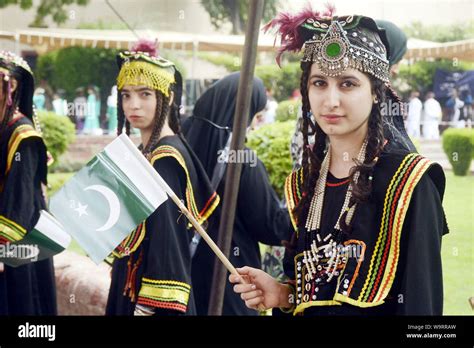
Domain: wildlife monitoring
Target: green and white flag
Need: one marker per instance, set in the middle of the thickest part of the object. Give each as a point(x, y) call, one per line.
point(103, 202)
point(47, 239)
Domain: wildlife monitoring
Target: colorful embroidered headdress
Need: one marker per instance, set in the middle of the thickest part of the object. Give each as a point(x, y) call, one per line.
point(143, 67)
point(335, 43)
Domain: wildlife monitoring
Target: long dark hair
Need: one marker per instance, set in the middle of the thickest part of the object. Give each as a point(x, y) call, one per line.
point(7, 111)
point(163, 109)
point(313, 157)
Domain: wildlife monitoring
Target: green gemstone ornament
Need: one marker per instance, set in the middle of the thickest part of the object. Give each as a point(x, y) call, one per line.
point(333, 49)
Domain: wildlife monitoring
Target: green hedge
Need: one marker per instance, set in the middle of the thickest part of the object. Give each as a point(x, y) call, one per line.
point(58, 133)
point(458, 144)
point(283, 81)
point(287, 110)
point(272, 145)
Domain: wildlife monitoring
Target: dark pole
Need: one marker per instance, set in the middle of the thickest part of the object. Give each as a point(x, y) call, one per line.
point(232, 180)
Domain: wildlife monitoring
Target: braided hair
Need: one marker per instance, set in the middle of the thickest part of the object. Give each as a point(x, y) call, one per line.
point(163, 110)
point(314, 155)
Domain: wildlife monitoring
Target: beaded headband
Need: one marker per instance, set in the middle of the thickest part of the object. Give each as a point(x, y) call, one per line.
point(11, 61)
point(335, 43)
point(143, 69)
point(11, 58)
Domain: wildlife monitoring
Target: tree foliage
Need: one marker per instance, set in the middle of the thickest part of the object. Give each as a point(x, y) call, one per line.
point(235, 12)
point(57, 9)
point(440, 33)
point(73, 67)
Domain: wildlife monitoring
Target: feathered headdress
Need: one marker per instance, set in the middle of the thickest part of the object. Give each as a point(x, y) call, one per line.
point(289, 28)
point(335, 43)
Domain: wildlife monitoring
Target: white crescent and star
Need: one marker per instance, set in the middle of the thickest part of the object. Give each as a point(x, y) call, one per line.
point(114, 206)
point(81, 209)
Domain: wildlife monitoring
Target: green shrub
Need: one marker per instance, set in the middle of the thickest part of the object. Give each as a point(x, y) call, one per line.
point(458, 146)
point(58, 133)
point(471, 131)
point(283, 81)
point(287, 110)
point(290, 80)
point(272, 145)
point(270, 75)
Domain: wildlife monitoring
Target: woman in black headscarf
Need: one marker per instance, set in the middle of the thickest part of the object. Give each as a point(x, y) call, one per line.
point(259, 216)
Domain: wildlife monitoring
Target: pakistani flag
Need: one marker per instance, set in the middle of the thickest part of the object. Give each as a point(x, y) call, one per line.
point(45, 240)
point(116, 191)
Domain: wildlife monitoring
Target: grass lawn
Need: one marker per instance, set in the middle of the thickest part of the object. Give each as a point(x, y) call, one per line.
point(458, 245)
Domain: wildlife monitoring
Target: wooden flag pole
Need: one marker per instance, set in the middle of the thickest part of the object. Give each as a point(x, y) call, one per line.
point(234, 168)
point(203, 233)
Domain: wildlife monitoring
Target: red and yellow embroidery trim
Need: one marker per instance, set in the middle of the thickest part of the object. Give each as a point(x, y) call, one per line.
point(20, 133)
point(293, 194)
point(10, 231)
point(132, 242)
point(213, 201)
point(167, 294)
point(384, 259)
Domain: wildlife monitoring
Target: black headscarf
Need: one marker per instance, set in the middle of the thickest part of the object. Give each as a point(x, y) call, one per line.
point(217, 105)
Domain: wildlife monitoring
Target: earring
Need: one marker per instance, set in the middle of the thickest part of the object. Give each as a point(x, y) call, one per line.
point(376, 100)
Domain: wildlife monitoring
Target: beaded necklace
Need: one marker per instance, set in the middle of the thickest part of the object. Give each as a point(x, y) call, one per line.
point(330, 247)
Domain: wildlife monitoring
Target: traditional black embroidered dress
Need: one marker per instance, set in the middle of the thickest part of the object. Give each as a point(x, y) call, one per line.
point(157, 271)
point(392, 263)
point(28, 289)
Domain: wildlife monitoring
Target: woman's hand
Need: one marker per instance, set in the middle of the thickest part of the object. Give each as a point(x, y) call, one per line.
point(261, 289)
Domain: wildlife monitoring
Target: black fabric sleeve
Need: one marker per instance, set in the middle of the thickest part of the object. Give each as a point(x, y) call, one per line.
point(166, 280)
point(22, 199)
point(420, 290)
point(267, 220)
